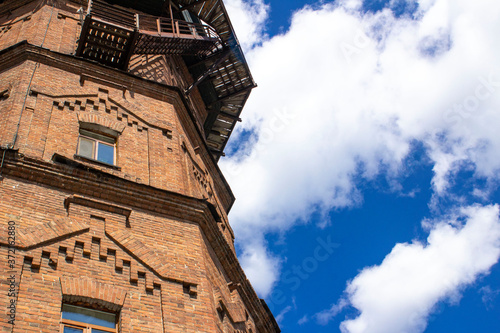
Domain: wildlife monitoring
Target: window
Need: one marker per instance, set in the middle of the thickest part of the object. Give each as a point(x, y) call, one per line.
point(77, 319)
point(97, 147)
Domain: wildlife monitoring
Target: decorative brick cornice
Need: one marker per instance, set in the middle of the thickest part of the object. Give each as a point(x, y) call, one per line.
point(234, 310)
point(152, 259)
point(45, 232)
point(75, 177)
point(23, 51)
point(80, 200)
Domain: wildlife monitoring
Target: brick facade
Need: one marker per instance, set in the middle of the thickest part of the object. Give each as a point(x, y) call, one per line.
point(148, 237)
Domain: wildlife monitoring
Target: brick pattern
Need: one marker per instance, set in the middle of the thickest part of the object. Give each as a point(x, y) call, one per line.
point(87, 117)
point(92, 292)
point(149, 237)
point(136, 288)
point(227, 300)
point(152, 257)
point(38, 232)
point(51, 27)
point(95, 253)
point(39, 303)
point(169, 70)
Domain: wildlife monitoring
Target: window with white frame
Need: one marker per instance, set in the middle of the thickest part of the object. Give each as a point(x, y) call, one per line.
point(97, 147)
point(77, 319)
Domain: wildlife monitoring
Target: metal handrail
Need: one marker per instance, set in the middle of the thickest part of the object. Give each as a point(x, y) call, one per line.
point(174, 27)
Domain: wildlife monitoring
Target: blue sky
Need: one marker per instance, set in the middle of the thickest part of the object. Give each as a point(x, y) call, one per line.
point(366, 168)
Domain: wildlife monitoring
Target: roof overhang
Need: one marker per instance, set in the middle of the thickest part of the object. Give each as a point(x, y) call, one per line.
point(224, 85)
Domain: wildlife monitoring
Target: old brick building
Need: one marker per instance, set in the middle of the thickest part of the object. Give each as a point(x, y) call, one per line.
point(113, 211)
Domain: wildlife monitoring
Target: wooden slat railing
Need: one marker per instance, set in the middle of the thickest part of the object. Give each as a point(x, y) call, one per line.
point(175, 28)
point(112, 14)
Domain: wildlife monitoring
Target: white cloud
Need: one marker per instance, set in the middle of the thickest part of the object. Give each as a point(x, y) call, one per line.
point(248, 19)
point(343, 94)
point(399, 294)
point(303, 320)
point(281, 315)
point(488, 296)
point(261, 267)
point(325, 316)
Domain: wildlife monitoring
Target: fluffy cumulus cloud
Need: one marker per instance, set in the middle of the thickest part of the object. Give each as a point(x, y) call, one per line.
point(398, 295)
point(343, 94)
point(248, 19)
point(259, 265)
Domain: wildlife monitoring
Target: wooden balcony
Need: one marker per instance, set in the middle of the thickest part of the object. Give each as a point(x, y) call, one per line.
point(110, 35)
point(113, 30)
point(159, 35)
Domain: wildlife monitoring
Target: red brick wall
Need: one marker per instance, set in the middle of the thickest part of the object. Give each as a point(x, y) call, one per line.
point(149, 150)
point(149, 236)
point(156, 258)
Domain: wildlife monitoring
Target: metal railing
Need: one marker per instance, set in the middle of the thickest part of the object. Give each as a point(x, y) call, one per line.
point(174, 28)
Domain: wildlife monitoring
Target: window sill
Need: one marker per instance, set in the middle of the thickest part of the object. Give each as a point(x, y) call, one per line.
point(90, 160)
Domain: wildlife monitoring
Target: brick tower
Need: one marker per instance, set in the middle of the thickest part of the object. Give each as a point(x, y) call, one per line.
point(113, 211)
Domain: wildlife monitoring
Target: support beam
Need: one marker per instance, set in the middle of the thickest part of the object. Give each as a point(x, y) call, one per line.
point(89, 7)
point(232, 94)
point(175, 5)
point(223, 57)
point(217, 152)
point(211, 58)
point(191, 5)
point(130, 50)
point(83, 36)
point(233, 117)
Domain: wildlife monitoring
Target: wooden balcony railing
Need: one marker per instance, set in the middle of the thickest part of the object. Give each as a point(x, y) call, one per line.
point(111, 34)
point(166, 27)
point(111, 14)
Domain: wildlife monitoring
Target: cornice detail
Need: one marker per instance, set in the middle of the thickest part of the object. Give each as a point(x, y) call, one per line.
point(76, 177)
point(89, 71)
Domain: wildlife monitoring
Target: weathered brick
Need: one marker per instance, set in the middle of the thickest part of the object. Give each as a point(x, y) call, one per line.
point(148, 237)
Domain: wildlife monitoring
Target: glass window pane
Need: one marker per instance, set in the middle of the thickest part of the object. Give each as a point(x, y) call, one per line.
point(95, 330)
point(68, 329)
point(97, 136)
point(86, 147)
point(89, 316)
point(106, 153)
